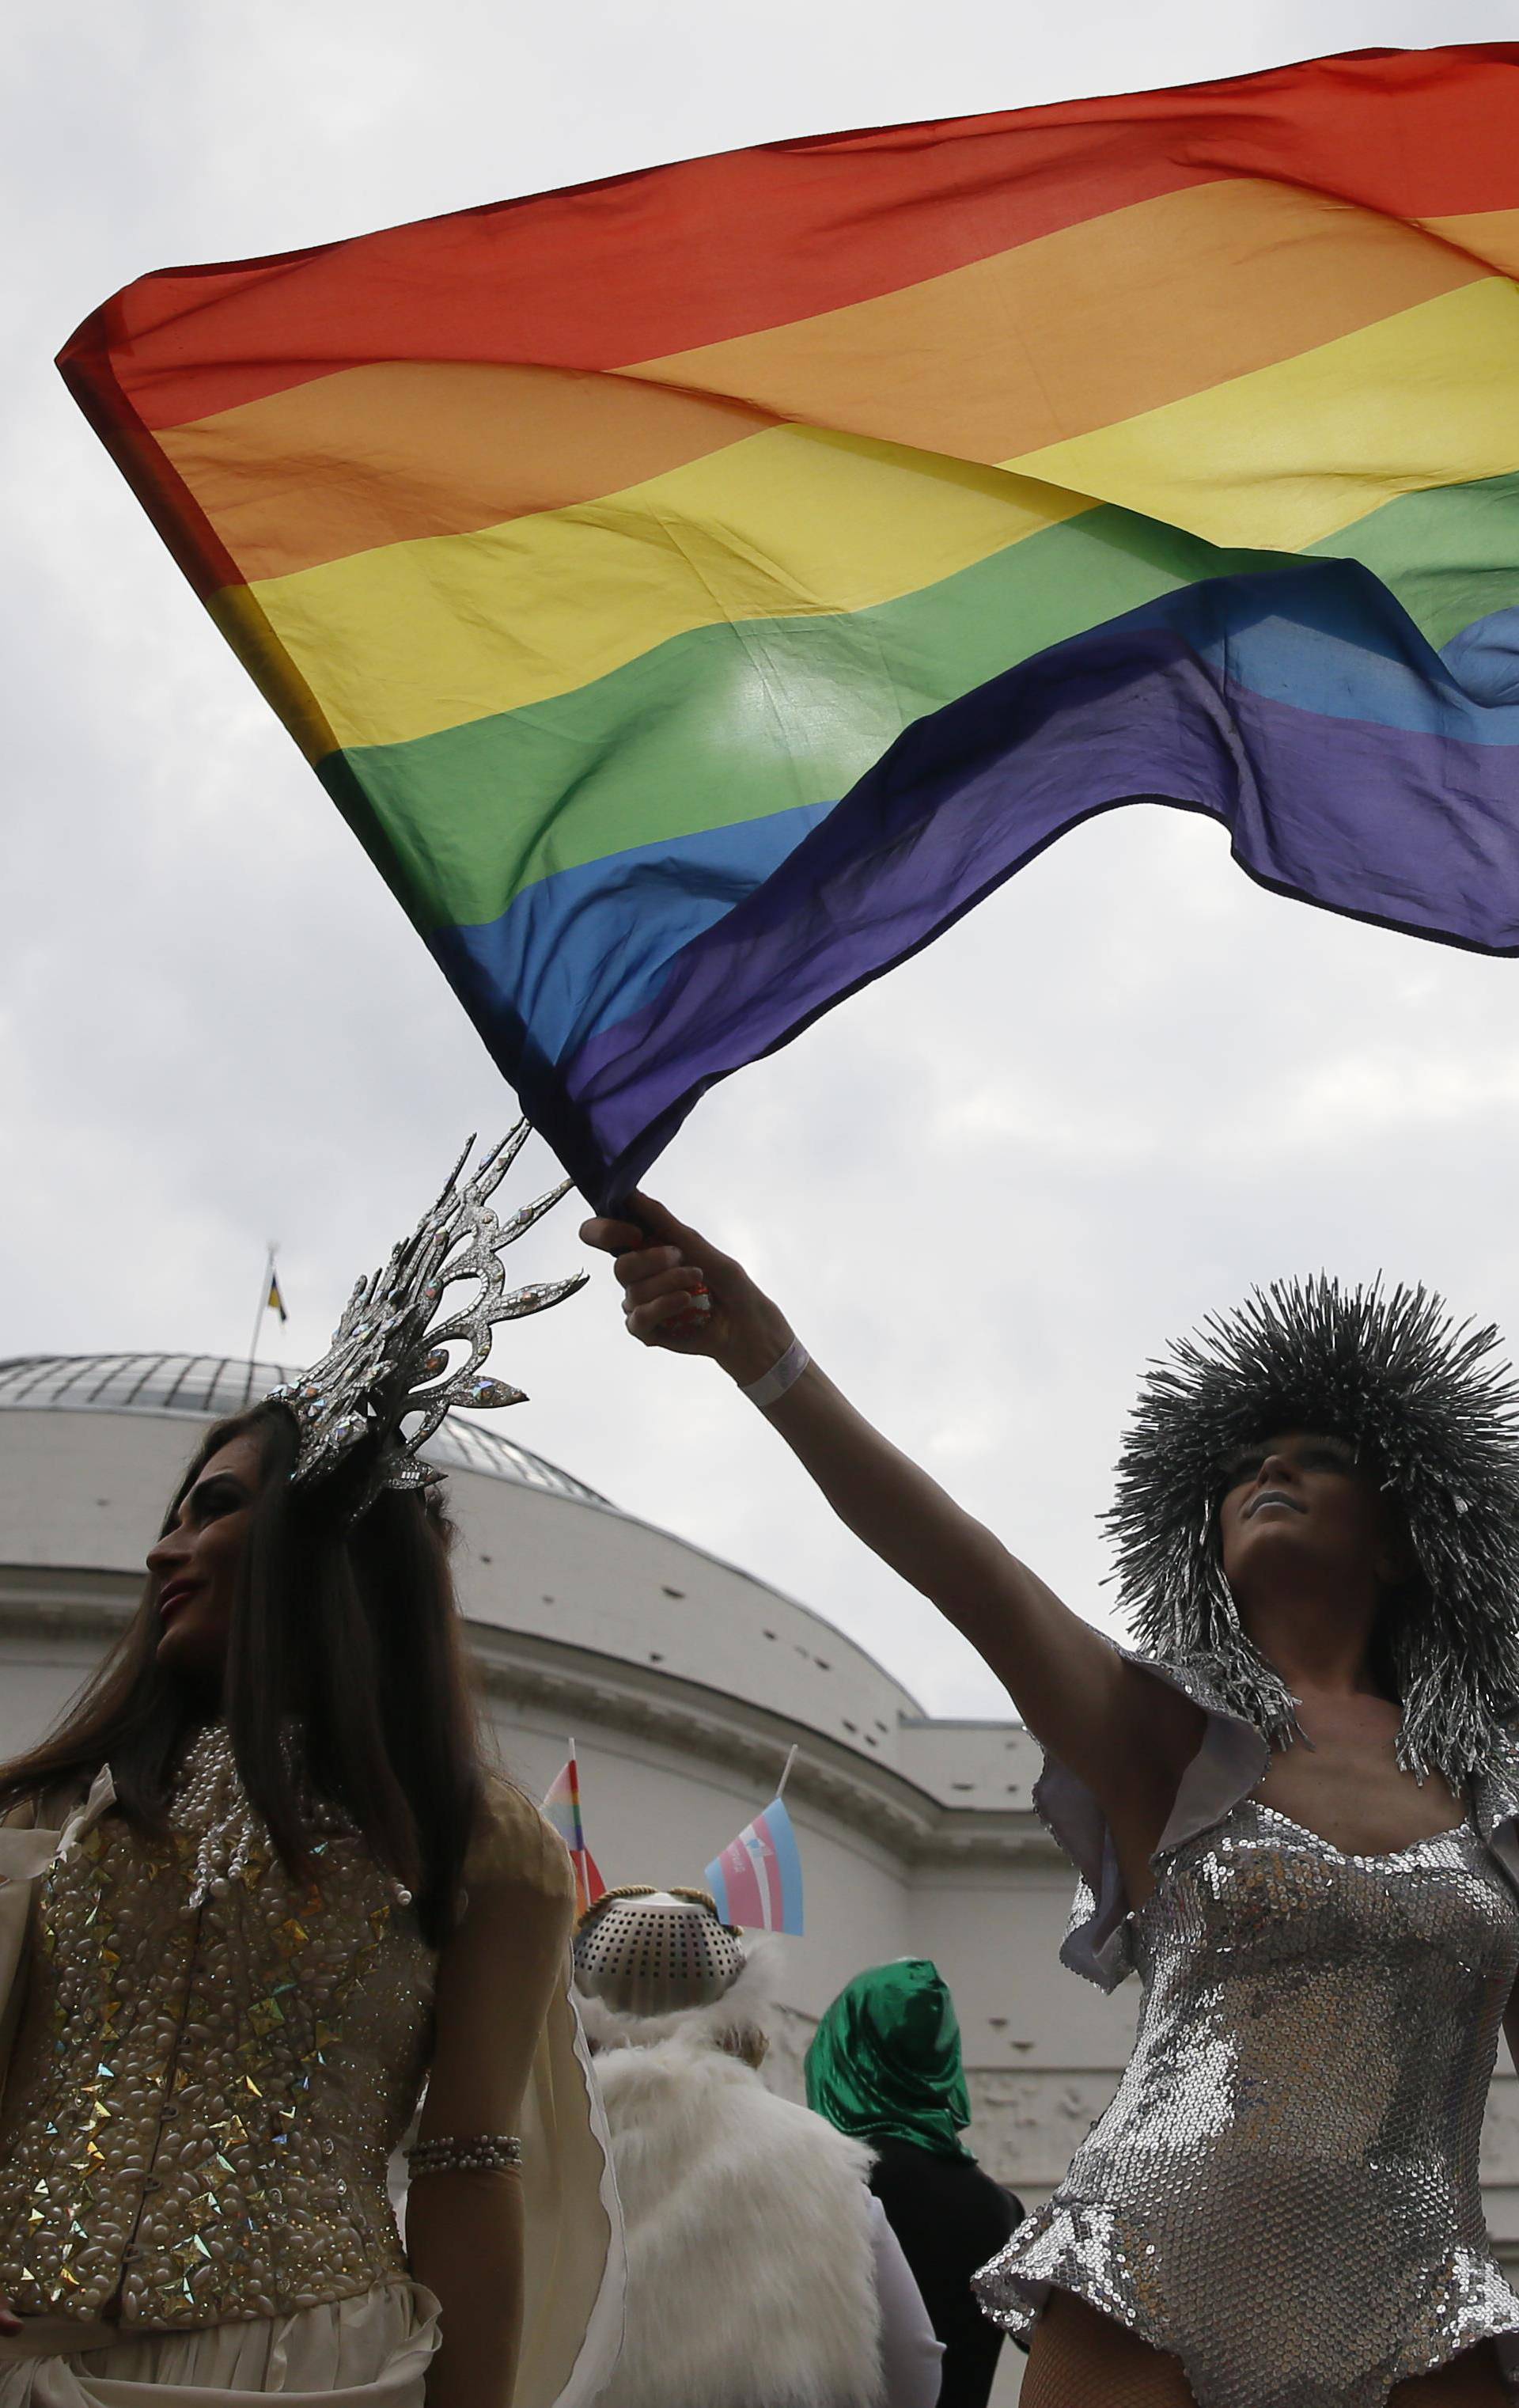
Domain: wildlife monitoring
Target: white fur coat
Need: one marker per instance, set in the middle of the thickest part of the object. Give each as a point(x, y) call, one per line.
point(749, 2274)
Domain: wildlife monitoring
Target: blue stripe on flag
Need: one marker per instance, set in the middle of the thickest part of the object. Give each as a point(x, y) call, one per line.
point(584, 948)
point(717, 1883)
point(783, 1840)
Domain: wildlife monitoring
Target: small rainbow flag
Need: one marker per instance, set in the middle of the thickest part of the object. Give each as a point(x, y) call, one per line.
point(561, 1808)
point(698, 589)
point(757, 1881)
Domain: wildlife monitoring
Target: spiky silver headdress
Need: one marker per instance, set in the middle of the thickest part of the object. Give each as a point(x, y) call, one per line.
point(1437, 1420)
point(389, 1360)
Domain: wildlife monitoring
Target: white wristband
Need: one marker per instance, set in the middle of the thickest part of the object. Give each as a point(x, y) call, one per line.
point(779, 1377)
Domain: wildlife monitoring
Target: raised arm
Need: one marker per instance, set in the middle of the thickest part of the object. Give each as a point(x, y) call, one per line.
point(1123, 1733)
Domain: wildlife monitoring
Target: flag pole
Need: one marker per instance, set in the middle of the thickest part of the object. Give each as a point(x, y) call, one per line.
point(579, 1850)
point(263, 1307)
point(786, 1774)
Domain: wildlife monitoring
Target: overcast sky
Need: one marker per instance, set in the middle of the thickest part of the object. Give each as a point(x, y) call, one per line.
point(986, 1190)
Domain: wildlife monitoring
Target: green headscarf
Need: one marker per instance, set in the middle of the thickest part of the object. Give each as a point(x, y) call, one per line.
point(884, 2063)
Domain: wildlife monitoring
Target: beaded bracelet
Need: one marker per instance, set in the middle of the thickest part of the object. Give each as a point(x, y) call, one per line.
point(484, 2153)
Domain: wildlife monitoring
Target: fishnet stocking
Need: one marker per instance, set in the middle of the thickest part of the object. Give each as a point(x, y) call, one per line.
point(1081, 2360)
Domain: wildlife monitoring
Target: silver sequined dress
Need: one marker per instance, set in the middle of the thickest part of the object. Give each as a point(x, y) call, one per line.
point(1283, 2191)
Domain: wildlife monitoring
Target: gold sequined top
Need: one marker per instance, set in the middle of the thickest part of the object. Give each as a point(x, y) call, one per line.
point(213, 2064)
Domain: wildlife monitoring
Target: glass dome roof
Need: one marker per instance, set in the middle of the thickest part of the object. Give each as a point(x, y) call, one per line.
point(203, 1387)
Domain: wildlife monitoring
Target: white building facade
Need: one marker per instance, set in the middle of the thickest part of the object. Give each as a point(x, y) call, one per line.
point(685, 1681)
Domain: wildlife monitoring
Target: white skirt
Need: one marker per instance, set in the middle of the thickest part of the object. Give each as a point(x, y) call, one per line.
point(371, 2351)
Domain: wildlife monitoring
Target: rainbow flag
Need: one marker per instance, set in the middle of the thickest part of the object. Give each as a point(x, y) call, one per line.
point(698, 588)
point(561, 1808)
point(757, 1881)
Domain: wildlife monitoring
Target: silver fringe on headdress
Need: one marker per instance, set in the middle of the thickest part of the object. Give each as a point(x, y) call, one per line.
point(1418, 1396)
point(390, 1361)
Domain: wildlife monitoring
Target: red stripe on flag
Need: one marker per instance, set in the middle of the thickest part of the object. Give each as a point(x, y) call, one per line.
point(634, 267)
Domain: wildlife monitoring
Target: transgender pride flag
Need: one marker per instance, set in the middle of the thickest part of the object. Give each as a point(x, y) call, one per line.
point(758, 1880)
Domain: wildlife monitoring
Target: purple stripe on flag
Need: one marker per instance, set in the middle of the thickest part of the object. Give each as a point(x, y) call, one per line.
point(1416, 831)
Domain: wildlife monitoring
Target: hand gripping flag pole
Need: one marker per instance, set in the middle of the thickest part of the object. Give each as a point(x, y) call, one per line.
point(756, 1882)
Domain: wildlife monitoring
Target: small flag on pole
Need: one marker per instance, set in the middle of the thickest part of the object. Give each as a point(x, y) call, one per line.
point(270, 1301)
point(757, 1881)
point(561, 1808)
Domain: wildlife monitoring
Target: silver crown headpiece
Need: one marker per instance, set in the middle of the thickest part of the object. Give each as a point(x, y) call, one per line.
point(389, 1360)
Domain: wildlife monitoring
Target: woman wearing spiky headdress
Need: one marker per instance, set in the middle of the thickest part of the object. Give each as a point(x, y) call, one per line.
point(261, 1887)
point(1295, 1814)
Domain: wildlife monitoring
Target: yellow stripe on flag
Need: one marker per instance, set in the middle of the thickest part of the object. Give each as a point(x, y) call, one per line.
point(417, 637)
point(1289, 455)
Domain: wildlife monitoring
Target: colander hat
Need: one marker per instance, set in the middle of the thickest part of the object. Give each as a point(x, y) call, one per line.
point(656, 1952)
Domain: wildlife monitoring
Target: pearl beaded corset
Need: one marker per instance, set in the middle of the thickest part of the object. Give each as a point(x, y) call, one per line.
point(213, 2065)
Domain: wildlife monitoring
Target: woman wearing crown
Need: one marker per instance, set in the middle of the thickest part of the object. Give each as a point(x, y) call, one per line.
point(1295, 1814)
point(260, 1891)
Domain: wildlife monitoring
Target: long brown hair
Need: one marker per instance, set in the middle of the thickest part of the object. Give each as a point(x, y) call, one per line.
point(347, 1678)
